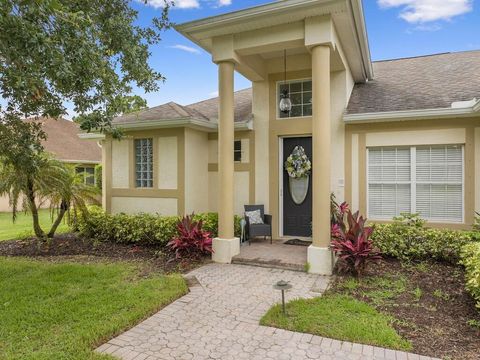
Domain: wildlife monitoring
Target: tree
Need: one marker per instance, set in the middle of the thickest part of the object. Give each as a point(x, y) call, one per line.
point(86, 52)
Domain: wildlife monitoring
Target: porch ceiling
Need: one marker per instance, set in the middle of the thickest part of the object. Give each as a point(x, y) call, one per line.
point(256, 35)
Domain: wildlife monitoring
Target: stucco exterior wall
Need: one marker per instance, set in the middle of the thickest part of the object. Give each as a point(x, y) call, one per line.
point(4, 204)
point(120, 163)
point(410, 133)
point(167, 162)
point(196, 171)
point(135, 205)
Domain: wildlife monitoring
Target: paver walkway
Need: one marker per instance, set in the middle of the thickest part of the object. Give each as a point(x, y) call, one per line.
point(219, 319)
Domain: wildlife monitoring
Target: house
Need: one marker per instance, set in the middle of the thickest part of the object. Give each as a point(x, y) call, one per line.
point(63, 142)
point(388, 137)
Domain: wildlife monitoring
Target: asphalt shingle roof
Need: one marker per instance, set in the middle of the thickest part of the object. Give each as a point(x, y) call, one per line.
point(426, 82)
point(63, 141)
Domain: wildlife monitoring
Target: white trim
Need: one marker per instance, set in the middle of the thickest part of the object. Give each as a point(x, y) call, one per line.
point(86, 162)
point(195, 123)
point(413, 179)
point(405, 115)
point(91, 136)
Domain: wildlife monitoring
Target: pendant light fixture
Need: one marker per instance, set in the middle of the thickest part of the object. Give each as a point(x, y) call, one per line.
point(285, 104)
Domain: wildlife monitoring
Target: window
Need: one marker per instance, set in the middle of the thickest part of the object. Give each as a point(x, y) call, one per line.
point(301, 97)
point(237, 151)
point(423, 179)
point(144, 163)
point(88, 174)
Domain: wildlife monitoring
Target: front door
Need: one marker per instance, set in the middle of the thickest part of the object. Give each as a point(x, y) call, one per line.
point(297, 216)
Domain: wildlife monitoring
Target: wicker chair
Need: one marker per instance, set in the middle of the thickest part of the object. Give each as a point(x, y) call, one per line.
point(254, 230)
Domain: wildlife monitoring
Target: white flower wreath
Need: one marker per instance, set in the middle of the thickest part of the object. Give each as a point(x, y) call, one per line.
point(298, 165)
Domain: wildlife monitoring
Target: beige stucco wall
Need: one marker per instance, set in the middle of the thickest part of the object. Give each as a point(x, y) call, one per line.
point(410, 133)
point(261, 115)
point(134, 205)
point(196, 171)
point(241, 193)
point(120, 163)
point(167, 162)
point(4, 204)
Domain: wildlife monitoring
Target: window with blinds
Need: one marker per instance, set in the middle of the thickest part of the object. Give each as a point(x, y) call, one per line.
point(423, 179)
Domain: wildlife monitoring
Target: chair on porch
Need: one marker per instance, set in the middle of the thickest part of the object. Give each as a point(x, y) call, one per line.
point(258, 229)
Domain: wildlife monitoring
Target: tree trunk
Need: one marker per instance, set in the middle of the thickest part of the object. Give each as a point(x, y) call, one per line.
point(34, 210)
point(63, 209)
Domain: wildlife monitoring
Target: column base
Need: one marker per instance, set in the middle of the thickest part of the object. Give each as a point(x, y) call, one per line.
point(225, 250)
point(320, 260)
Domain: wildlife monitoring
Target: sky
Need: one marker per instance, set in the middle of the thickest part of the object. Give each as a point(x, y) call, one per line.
point(396, 29)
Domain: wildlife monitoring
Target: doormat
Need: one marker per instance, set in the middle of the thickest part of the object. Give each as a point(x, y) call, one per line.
point(298, 242)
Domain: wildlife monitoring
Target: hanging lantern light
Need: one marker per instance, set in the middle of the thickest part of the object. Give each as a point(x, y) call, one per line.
point(285, 104)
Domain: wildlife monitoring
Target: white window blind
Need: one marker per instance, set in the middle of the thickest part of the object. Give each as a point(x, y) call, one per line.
point(423, 179)
point(389, 182)
point(440, 182)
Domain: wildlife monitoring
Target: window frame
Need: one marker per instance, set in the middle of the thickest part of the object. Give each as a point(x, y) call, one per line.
point(413, 182)
point(135, 172)
point(235, 151)
point(85, 174)
point(277, 98)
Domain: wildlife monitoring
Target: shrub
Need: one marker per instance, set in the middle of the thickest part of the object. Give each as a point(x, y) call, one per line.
point(146, 229)
point(408, 239)
point(470, 258)
point(476, 224)
point(351, 242)
point(98, 176)
point(191, 240)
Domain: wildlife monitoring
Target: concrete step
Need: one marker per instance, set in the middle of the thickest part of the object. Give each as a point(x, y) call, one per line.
point(274, 264)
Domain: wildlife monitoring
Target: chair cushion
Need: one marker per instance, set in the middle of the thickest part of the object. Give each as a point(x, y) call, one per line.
point(254, 217)
point(260, 230)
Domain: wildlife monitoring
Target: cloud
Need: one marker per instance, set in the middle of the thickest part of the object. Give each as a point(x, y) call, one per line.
point(181, 4)
point(224, 2)
point(213, 94)
point(186, 48)
point(422, 11)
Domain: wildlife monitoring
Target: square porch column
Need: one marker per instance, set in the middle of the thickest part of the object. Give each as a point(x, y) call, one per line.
point(225, 246)
point(319, 253)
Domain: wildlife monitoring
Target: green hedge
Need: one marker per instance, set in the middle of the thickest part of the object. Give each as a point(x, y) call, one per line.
point(471, 260)
point(142, 228)
point(407, 239)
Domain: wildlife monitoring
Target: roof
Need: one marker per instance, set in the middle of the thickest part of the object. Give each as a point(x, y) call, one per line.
point(417, 83)
point(206, 110)
point(64, 143)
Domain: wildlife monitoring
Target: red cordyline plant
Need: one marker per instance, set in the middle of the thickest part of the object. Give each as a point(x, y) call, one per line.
point(191, 241)
point(351, 242)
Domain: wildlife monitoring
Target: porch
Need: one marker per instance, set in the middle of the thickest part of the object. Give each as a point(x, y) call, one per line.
point(278, 255)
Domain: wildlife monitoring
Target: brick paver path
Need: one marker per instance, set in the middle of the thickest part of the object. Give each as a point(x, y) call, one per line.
point(219, 319)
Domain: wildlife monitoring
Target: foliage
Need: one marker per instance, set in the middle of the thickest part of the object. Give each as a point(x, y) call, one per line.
point(407, 239)
point(351, 242)
point(146, 229)
point(339, 317)
point(476, 224)
point(470, 258)
point(297, 164)
point(98, 177)
point(191, 241)
point(50, 181)
point(90, 53)
point(57, 310)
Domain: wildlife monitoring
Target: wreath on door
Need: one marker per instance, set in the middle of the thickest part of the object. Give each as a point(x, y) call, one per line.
point(298, 167)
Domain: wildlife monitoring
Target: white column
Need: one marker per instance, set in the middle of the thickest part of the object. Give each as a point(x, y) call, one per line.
point(319, 253)
point(226, 245)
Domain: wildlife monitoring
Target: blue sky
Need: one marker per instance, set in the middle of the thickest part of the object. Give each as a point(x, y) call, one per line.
point(396, 28)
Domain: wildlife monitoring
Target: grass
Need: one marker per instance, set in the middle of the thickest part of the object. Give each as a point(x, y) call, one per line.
point(64, 310)
point(22, 228)
point(339, 317)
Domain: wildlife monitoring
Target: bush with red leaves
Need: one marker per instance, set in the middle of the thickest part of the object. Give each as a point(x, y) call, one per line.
point(351, 242)
point(191, 242)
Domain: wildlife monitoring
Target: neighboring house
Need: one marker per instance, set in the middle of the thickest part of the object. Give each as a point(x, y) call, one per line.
point(65, 145)
point(388, 137)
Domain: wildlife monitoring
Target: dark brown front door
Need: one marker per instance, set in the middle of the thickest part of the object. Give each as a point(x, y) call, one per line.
point(297, 218)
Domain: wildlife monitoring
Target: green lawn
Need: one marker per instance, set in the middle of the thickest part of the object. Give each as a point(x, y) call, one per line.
point(338, 317)
point(64, 310)
point(22, 227)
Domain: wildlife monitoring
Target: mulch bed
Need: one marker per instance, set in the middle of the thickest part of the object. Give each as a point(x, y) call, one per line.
point(72, 247)
point(433, 318)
